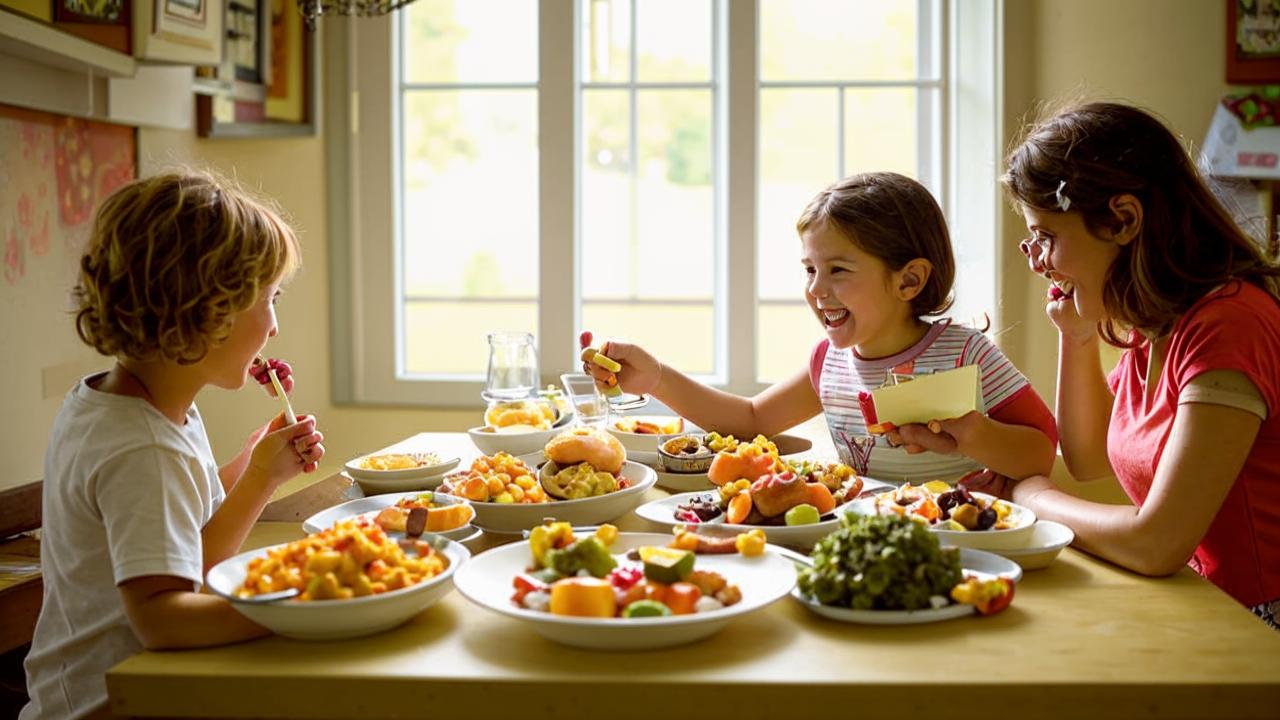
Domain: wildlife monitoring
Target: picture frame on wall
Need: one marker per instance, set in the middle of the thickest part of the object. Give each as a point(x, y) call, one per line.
point(105, 22)
point(179, 31)
point(266, 84)
point(1253, 42)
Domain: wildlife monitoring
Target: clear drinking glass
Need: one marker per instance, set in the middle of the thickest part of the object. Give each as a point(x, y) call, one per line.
point(513, 367)
point(588, 402)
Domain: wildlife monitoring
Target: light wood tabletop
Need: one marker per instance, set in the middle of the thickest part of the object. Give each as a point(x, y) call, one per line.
point(1082, 638)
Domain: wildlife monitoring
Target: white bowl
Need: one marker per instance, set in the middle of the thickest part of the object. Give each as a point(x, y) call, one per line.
point(1022, 518)
point(373, 504)
point(1041, 546)
point(336, 619)
point(973, 562)
point(643, 447)
point(516, 443)
point(486, 581)
point(360, 473)
point(683, 482)
point(801, 537)
point(514, 517)
point(372, 487)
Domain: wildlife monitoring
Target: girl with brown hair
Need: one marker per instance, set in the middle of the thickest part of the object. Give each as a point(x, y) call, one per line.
point(1143, 256)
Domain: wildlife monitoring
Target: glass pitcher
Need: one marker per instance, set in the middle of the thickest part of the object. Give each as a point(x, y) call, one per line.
point(513, 367)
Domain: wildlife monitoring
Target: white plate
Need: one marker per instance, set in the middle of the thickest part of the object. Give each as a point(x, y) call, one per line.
point(683, 482)
point(972, 562)
point(643, 447)
point(1015, 536)
point(373, 504)
point(378, 487)
point(425, 471)
point(522, 443)
point(486, 581)
point(802, 537)
point(336, 619)
point(514, 517)
point(1046, 540)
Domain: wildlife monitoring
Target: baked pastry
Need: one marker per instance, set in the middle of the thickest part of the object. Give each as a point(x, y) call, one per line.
point(587, 445)
point(776, 493)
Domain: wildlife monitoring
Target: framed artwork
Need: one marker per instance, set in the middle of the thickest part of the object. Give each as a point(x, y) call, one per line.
point(105, 22)
point(1253, 42)
point(266, 83)
point(178, 31)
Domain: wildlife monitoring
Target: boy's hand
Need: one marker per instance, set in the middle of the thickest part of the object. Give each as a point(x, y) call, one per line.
point(285, 450)
point(284, 373)
point(640, 371)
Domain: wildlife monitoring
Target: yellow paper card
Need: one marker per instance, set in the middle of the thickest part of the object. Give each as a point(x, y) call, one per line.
point(940, 396)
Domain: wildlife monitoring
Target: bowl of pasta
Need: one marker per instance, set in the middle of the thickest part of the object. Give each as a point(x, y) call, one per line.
point(346, 581)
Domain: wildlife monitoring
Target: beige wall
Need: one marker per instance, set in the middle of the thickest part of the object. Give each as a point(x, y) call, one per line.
point(1163, 54)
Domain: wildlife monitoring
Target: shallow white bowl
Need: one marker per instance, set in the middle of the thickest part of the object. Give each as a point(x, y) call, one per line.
point(973, 562)
point(492, 443)
point(801, 537)
point(486, 581)
point(336, 619)
point(396, 485)
point(359, 473)
point(373, 504)
point(514, 517)
point(683, 482)
point(1015, 536)
point(643, 447)
point(1046, 539)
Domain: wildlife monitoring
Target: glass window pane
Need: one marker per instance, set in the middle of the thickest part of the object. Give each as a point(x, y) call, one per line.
point(673, 40)
point(607, 200)
point(798, 157)
point(880, 131)
point(673, 332)
point(460, 237)
point(471, 41)
point(450, 337)
point(787, 332)
point(606, 44)
point(820, 40)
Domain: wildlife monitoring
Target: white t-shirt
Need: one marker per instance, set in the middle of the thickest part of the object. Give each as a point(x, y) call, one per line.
point(842, 374)
point(126, 493)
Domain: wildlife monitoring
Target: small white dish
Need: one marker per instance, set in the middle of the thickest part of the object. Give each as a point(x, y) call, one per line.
point(683, 482)
point(372, 487)
point(355, 470)
point(491, 442)
point(1022, 518)
point(985, 565)
point(801, 537)
point(375, 503)
point(643, 447)
point(515, 517)
point(336, 619)
point(763, 579)
point(1046, 539)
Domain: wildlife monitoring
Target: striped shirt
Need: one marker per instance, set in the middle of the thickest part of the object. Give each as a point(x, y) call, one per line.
point(839, 375)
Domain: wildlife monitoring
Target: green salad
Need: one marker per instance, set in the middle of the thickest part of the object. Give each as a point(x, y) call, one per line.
point(880, 562)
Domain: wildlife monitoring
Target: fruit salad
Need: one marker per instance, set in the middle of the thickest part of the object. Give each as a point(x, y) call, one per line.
point(578, 576)
point(944, 507)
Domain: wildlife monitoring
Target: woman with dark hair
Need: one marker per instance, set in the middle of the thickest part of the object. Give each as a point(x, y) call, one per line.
point(1142, 256)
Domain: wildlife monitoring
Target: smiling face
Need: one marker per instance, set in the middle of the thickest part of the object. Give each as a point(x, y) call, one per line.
point(851, 292)
point(228, 363)
point(1073, 257)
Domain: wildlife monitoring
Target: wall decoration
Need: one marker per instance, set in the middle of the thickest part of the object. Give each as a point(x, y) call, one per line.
point(54, 171)
point(182, 31)
point(94, 11)
point(1253, 42)
point(282, 102)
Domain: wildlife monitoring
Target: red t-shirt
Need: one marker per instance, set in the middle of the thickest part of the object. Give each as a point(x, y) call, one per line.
point(1234, 328)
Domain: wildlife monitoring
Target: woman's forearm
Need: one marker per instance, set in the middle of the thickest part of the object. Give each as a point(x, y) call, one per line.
point(1083, 408)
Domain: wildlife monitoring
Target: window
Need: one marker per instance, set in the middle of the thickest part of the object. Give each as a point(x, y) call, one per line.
point(630, 166)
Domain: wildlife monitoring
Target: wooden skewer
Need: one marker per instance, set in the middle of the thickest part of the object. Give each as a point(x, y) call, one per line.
point(284, 399)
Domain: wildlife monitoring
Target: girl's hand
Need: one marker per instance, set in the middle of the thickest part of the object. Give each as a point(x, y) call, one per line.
point(286, 450)
point(284, 373)
point(640, 371)
point(945, 437)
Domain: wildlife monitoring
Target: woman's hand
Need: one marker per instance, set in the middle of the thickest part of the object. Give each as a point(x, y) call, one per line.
point(286, 450)
point(640, 371)
point(1060, 307)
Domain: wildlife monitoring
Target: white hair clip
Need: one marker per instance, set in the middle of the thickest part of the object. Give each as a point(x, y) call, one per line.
point(1064, 202)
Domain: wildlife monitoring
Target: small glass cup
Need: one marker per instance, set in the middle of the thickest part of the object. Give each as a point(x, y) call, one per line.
point(513, 367)
point(589, 404)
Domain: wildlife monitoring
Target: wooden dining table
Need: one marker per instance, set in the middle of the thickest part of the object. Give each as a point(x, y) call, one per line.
point(1082, 638)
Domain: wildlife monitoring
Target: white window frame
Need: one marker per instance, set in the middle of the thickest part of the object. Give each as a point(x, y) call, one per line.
point(363, 213)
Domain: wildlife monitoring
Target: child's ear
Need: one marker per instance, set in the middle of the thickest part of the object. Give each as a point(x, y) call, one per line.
point(1127, 215)
point(912, 278)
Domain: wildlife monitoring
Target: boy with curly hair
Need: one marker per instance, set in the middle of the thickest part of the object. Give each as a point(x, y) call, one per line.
point(178, 283)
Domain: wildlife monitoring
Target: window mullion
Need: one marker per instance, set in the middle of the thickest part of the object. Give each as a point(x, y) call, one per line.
point(558, 257)
point(741, 177)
